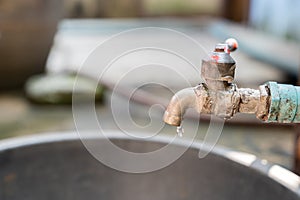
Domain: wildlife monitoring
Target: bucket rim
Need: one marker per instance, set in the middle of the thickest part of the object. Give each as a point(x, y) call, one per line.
point(275, 172)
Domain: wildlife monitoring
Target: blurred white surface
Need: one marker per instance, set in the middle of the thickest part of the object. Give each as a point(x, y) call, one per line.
point(76, 39)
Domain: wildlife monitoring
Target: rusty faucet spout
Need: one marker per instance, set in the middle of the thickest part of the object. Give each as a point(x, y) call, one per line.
point(179, 103)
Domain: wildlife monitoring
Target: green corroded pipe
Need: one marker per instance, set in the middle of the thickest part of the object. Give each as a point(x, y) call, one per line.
point(284, 103)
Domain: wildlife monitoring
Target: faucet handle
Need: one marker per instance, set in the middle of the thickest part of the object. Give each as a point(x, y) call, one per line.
point(232, 44)
point(219, 70)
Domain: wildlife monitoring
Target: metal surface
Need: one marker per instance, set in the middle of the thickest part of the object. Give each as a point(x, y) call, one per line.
point(218, 95)
point(284, 103)
point(57, 166)
point(219, 70)
point(180, 102)
point(271, 103)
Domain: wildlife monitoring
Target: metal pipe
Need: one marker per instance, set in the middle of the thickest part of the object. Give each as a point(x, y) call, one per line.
point(284, 104)
point(272, 102)
point(223, 103)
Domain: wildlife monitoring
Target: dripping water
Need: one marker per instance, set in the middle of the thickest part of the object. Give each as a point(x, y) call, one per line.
point(180, 131)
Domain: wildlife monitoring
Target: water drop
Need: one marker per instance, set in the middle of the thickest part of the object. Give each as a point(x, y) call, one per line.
point(180, 131)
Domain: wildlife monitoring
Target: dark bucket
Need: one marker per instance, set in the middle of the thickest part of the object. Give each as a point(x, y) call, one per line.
point(57, 166)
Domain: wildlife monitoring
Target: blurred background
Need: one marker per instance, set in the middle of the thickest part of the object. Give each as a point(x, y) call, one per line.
point(43, 42)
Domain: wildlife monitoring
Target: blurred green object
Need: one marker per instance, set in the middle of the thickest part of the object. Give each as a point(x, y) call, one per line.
point(58, 88)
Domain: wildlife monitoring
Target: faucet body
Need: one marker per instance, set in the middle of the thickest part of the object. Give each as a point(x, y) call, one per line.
point(271, 102)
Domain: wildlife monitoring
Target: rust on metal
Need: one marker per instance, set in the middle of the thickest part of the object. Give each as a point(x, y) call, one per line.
point(272, 102)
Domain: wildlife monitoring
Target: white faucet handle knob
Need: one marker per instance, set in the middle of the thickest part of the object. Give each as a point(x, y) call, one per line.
point(232, 44)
